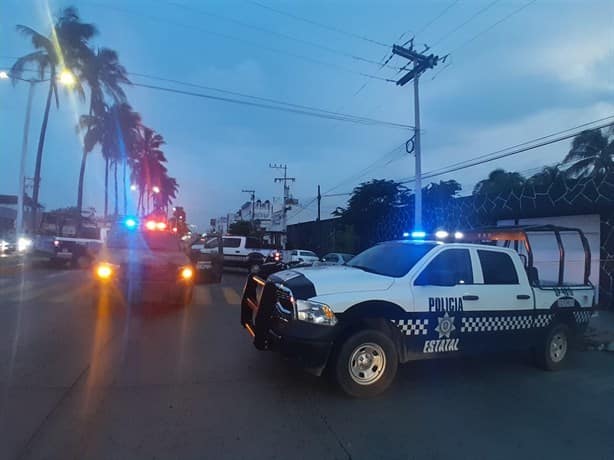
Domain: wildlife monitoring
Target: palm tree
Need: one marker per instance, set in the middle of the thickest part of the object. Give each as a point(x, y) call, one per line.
point(590, 155)
point(168, 192)
point(104, 75)
point(499, 181)
point(147, 165)
point(547, 176)
point(63, 49)
point(116, 130)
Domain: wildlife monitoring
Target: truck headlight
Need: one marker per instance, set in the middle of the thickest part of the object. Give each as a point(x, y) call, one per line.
point(315, 312)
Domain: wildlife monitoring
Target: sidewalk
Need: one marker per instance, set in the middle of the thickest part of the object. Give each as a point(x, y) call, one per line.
point(600, 332)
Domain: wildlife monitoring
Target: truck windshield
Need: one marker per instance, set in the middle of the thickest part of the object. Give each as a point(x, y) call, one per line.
point(391, 259)
point(154, 241)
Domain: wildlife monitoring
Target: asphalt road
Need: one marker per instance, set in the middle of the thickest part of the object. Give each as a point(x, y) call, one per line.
point(85, 379)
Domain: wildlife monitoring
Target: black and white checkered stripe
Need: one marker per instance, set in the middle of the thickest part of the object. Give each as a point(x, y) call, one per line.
point(495, 323)
point(543, 320)
point(412, 326)
point(582, 316)
point(503, 323)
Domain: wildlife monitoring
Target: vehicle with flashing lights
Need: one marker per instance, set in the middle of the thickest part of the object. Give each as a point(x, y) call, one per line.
point(434, 296)
point(142, 262)
point(63, 240)
point(239, 251)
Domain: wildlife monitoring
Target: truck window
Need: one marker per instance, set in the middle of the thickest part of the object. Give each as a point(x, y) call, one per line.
point(232, 242)
point(497, 268)
point(451, 265)
point(308, 254)
point(294, 253)
point(252, 243)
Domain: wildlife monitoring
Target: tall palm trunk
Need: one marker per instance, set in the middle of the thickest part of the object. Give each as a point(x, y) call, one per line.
point(39, 152)
point(106, 187)
point(82, 175)
point(124, 186)
point(116, 192)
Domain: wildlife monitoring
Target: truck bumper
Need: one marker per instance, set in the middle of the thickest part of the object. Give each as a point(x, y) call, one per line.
point(305, 344)
point(145, 292)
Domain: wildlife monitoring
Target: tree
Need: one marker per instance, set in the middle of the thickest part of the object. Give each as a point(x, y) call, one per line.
point(370, 203)
point(168, 192)
point(436, 194)
point(104, 75)
point(590, 155)
point(147, 165)
point(240, 228)
point(116, 130)
point(547, 176)
point(499, 181)
point(69, 35)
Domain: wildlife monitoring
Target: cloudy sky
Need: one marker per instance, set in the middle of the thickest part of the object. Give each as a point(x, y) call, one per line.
point(546, 68)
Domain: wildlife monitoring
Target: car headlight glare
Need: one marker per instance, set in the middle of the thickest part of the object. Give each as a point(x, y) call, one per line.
point(315, 312)
point(104, 271)
point(187, 273)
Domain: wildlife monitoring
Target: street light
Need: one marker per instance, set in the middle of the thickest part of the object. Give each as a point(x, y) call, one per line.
point(67, 78)
point(4, 75)
point(155, 189)
point(133, 187)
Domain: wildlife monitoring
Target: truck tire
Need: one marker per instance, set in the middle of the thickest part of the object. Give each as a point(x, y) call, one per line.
point(553, 351)
point(365, 364)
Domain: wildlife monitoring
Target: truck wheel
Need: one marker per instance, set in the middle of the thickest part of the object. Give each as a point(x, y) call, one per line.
point(254, 267)
point(552, 353)
point(365, 364)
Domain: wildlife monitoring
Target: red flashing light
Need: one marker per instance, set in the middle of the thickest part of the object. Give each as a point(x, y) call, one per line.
point(161, 226)
point(150, 225)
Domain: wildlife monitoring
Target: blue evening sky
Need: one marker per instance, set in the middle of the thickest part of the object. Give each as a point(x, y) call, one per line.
point(548, 68)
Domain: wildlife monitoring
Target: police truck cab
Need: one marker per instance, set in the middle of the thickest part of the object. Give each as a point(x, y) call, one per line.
point(407, 300)
point(143, 261)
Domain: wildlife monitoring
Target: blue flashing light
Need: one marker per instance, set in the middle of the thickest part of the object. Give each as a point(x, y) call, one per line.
point(418, 234)
point(130, 222)
point(405, 234)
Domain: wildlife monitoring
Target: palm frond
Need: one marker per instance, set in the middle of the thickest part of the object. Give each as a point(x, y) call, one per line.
point(39, 41)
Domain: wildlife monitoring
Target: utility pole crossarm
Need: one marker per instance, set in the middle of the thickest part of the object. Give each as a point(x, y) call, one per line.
point(421, 62)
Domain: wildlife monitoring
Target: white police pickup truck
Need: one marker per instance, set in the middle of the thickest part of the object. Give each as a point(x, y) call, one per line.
point(407, 300)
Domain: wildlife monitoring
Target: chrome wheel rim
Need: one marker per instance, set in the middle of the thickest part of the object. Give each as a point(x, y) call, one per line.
point(558, 347)
point(367, 363)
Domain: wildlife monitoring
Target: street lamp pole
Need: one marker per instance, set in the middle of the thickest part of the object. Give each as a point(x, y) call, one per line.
point(22, 164)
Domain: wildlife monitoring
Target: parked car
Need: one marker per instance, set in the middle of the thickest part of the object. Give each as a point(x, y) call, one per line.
point(301, 255)
point(336, 258)
point(209, 264)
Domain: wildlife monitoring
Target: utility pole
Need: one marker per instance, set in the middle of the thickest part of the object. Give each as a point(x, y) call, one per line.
point(285, 181)
point(253, 193)
point(319, 202)
point(421, 62)
point(22, 163)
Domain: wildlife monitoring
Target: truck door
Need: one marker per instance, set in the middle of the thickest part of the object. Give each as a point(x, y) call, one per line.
point(440, 291)
point(501, 314)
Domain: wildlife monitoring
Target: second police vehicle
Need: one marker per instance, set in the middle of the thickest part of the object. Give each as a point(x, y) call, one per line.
point(143, 261)
point(407, 300)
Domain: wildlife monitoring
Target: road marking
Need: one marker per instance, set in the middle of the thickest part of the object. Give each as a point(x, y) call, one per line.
point(202, 295)
point(231, 296)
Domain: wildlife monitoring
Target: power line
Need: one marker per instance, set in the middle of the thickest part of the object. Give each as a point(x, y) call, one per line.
point(489, 28)
point(482, 32)
point(477, 161)
point(467, 21)
point(282, 104)
point(330, 116)
point(318, 24)
point(257, 98)
point(167, 21)
point(386, 156)
point(437, 17)
point(278, 34)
